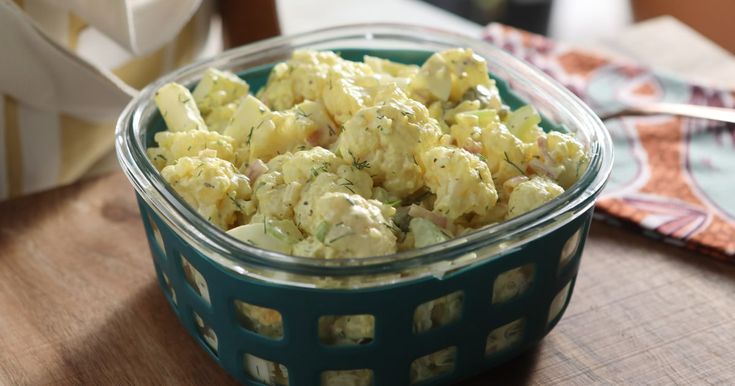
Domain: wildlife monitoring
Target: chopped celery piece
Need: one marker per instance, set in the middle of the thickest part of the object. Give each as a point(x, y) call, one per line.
point(523, 123)
point(321, 230)
point(484, 117)
point(260, 236)
point(426, 232)
point(284, 230)
point(218, 88)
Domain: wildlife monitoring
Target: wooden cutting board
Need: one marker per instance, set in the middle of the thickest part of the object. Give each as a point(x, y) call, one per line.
point(79, 304)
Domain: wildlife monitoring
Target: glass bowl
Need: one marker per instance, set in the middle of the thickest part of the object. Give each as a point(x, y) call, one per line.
point(271, 319)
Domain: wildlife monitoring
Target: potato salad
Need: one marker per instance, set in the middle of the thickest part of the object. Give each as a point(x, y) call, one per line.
point(340, 159)
point(337, 159)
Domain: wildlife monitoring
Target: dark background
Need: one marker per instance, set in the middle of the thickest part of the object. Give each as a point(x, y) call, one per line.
point(530, 15)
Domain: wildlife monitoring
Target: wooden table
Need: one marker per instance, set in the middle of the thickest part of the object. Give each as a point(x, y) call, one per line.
point(79, 305)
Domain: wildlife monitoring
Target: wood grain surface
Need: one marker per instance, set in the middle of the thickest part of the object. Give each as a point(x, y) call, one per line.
point(79, 304)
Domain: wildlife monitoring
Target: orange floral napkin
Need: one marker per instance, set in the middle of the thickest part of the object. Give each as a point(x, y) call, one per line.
point(673, 178)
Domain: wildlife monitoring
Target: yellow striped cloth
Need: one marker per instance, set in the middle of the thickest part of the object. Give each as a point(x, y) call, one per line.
point(42, 147)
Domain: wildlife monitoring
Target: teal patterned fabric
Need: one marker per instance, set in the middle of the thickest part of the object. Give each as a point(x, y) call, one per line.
point(673, 178)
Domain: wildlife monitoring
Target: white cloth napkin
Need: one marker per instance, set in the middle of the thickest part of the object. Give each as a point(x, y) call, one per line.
point(55, 86)
point(42, 73)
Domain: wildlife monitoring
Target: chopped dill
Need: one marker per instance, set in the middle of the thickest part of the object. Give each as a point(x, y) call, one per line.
point(394, 203)
point(347, 184)
point(301, 113)
point(250, 135)
point(340, 237)
point(359, 165)
point(506, 159)
point(237, 204)
point(392, 226)
point(315, 171)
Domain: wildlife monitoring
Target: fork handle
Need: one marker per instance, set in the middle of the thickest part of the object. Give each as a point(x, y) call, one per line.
point(685, 110)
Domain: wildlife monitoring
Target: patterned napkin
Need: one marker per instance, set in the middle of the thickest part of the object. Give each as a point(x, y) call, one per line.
point(673, 178)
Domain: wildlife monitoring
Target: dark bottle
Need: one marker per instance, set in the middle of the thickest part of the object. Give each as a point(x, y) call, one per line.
point(530, 15)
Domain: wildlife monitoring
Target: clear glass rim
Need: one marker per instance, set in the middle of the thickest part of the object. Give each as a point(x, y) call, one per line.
point(186, 222)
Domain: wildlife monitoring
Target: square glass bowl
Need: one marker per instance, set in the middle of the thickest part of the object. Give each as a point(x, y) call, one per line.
point(273, 319)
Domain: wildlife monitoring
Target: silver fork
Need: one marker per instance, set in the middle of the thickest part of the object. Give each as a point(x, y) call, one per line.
point(684, 110)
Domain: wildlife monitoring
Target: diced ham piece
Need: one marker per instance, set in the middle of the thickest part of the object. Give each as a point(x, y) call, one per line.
point(544, 147)
point(256, 169)
point(323, 136)
point(514, 181)
point(315, 138)
point(542, 169)
point(473, 147)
